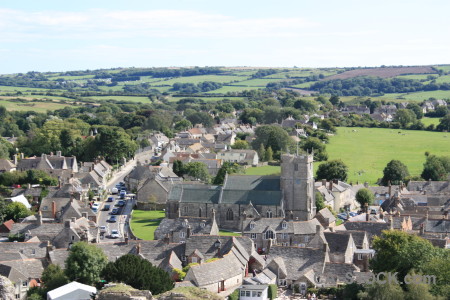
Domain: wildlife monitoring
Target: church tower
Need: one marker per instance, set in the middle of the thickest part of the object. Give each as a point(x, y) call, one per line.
point(297, 185)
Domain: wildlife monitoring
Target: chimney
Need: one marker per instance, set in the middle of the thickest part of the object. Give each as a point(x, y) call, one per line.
point(15, 159)
point(390, 188)
point(21, 156)
point(391, 223)
point(84, 214)
point(318, 228)
point(188, 231)
point(126, 238)
point(138, 248)
point(51, 153)
point(29, 186)
point(367, 217)
point(335, 181)
point(331, 185)
point(39, 218)
point(73, 219)
point(49, 248)
point(166, 239)
point(54, 209)
point(44, 156)
point(324, 182)
point(213, 214)
point(58, 153)
point(325, 247)
point(67, 224)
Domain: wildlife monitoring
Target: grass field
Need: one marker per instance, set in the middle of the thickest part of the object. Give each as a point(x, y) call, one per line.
point(232, 89)
point(208, 99)
point(259, 82)
point(418, 96)
point(34, 106)
point(5, 88)
point(443, 79)
point(415, 77)
point(201, 78)
point(120, 98)
point(368, 150)
point(144, 223)
point(429, 121)
point(266, 170)
point(71, 77)
point(446, 68)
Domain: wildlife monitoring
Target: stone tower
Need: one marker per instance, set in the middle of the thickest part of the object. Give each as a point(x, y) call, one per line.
point(297, 185)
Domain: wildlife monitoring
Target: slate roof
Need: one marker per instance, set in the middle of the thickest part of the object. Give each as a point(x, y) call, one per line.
point(432, 187)
point(438, 226)
point(31, 268)
point(261, 225)
point(337, 272)
point(139, 172)
point(11, 251)
point(45, 232)
point(372, 228)
point(337, 242)
point(6, 165)
point(306, 227)
point(249, 182)
point(326, 214)
point(256, 197)
point(12, 274)
point(205, 244)
point(358, 237)
point(199, 193)
point(34, 192)
point(168, 225)
point(300, 260)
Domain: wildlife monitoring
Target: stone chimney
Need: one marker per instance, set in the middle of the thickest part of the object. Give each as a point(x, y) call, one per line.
point(366, 185)
point(58, 153)
point(29, 186)
point(51, 153)
point(73, 219)
point(22, 156)
point(318, 229)
point(138, 248)
point(49, 248)
point(330, 187)
point(67, 224)
point(54, 209)
point(39, 218)
point(166, 239)
point(213, 214)
point(391, 222)
point(126, 238)
point(188, 231)
point(15, 159)
point(367, 217)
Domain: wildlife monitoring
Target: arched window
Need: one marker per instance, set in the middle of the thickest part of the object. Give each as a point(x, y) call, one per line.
point(269, 214)
point(200, 212)
point(229, 214)
point(269, 234)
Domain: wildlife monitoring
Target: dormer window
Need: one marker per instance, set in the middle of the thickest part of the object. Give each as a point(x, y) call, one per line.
point(284, 225)
point(217, 244)
point(202, 224)
point(252, 225)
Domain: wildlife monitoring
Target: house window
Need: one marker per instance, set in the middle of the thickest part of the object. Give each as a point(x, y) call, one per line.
point(253, 236)
point(229, 214)
point(254, 294)
point(252, 225)
point(247, 293)
point(359, 256)
point(284, 225)
point(182, 234)
point(194, 259)
point(285, 236)
point(200, 212)
point(33, 251)
point(306, 239)
point(269, 234)
point(24, 283)
point(269, 214)
point(185, 210)
point(183, 258)
point(282, 282)
point(301, 245)
point(242, 293)
point(73, 238)
point(202, 225)
point(45, 208)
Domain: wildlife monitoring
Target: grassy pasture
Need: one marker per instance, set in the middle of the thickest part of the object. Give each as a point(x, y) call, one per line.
point(201, 78)
point(370, 149)
point(415, 77)
point(228, 88)
point(4, 88)
point(34, 106)
point(429, 121)
point(71, 77)
point(443, 79)
point(208, 99)
point(445, 68)
point(417, 96)
point(259, 82)
point(120, 98)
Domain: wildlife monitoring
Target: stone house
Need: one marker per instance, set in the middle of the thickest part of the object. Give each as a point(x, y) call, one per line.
point(244, 157)
point(48, 163)
point(180, 229)
point(337, 194)
point(326, 218)
point(23, 273)
point(341, 245)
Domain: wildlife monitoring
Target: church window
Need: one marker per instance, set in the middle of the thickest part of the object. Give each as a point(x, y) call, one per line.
point(202, 224)
point(185, 210)
point(229, 214)
point(285, 236)
point(306, 239)
point(269, 214)
point(269, 234)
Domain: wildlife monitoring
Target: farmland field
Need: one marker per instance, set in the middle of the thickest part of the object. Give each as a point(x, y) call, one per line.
point(415, 77)
point(34, 106)
point(71, 77)
point(201, 78)
point(226, 89)
point(417, 96)
point(119, 98)
point(429, 121)
point(383, 72)
point(208, 99)
point(259, 82)
point(367, 155)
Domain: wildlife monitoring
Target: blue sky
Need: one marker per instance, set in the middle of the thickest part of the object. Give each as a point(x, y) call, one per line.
point(61, 35)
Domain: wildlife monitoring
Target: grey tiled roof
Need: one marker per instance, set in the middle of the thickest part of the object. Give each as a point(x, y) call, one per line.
point(372, 228)
point(31, 268)
point(338, 271)
point(306, 227)
point(200, 193)
point(58, 257)
point(11, 251)
point(429, 186)
point(261, 225)
point(326, 213)
point(337, 241)
point(205, 244)
point(441, 226)
point(168, 225)
point(35, 192)
point(358, 237)
point(256, 197)
point(6, 165)
point(45, 232)
point(11, 273)
point(249, 182)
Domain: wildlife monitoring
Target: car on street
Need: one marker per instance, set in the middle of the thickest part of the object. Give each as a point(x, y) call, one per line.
point(122, 194)
point(95, 206)
point(112, 219)
point(103, 229)
point(114, 234)
point(110, 199)
point(106, 207)
point(114, 190)
point(120, 203)
point(115, 211)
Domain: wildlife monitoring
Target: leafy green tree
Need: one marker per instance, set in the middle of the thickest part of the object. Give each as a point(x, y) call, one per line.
point(379, 291)
point(200, 117)
point(436, 168)
point(439, 266)
point(320, 202)
point(398, 251)
point(138, 273)
point(327, 125)
point(182, 125)
point(416, 109)
point(53, 277)
point(274, 136)
point(333, 169)
point(240, 144)
point(85, 263)
point(227, 168)
point(178, 168)
point(197, 170)
point(261, 152)
point(334, 100)
point(113, 144)
point(16, 211)
point(444, 124)
point(364, 196)
point(404, 117)
point(395, 172)
point(314, 144)
point(417, 290)
point(305, 105)
point(268, 156)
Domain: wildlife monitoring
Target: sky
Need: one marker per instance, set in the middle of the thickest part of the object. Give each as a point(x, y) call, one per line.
point(60, 35)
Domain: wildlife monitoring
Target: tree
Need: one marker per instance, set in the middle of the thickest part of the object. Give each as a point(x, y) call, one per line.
point(364, 196)
point(313, 144)
point(178, 168)
point(268, 156)
point(398, 251)
point(182, 125)
point(274, 136)
point(379, 291)
point(416, 109)
point(227, 168)
point(85, 263)
point(113, 144)
point(320, 202)
point(394, 172)
point(436, 168)
point(444, 124)
point(261, 152)
point(16, 211)
point(53, 277)
point(197, 170)
point(417, 291)
point(333, 169)
point(334, 100)
point(240, 144)
point(404, 117)
point(139, 273)
point(327, 125)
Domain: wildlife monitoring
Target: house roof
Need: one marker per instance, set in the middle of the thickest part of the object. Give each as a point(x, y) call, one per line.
point(21, 199)
point(6, 165)
point(249, 182)
point(31, 267)
point(175, 225)
point(337, 242)
point(17, 250)
point(6, 226)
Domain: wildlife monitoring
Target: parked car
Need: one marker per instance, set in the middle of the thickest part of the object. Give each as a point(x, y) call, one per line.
point(106, 207)
point(95, 206)
point(110, 199)
point(115, 211)
point(114, 234)
point(103, 229)
point(342, 216)
point(112, 219)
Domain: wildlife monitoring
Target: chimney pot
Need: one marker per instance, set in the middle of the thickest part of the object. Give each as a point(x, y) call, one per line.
point(84, 215)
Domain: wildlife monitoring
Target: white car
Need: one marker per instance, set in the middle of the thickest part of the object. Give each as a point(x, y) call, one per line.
point(95, 206)
point(114, 234)
point(103, 229)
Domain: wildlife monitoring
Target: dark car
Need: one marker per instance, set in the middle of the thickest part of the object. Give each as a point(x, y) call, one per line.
point(106, 207)
point(110, 199)
point(115, 211)
point(120, 203)
point(112, 219)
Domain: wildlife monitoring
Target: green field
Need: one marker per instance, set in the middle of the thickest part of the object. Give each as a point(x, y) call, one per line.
point(4, 88)
point(265, 170)
point(368, 150)
point(119, 98)
point(443, 79)
point(34, 106)
point(208, 99)
point(445, 68)
point(201, 78)
point(417, 96)
point(429, 121)
point(415, 76)
point(71, 77)
point(259, 82)
point(232, 89)
point(228, 233)
point(144, 223)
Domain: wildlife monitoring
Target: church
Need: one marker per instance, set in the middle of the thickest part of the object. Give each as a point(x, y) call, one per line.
point(289, 196)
